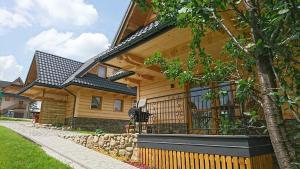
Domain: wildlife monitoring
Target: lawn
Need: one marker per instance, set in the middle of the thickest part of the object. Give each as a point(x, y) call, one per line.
point(19, 153)
point(14, 119)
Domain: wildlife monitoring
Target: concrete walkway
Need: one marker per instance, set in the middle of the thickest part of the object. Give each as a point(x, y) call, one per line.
point(74, 155)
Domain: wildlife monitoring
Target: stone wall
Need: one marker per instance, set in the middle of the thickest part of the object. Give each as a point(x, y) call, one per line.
point(118, 144)
point(107, 125)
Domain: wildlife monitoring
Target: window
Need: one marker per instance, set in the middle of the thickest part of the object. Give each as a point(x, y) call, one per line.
point(115, 70)
point(21, 102)
point(7, 98)
point(102, 71)
point(96, 102)
point(118, 105)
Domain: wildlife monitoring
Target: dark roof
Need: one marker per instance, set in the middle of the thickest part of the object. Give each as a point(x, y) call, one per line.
point(15, 95)
point(149, 31)
point(93, 81)
point(4, 83)
point(58, 72)
point(141, 35)
point(120, 75)
point(54, 70)
point(122, 23)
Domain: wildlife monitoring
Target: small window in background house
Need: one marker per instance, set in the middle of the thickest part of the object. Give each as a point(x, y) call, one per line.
point(7, 98)
point(96, 102)
point(21, 102)
point(102, 71)
point(115, 70)
point(118, 105)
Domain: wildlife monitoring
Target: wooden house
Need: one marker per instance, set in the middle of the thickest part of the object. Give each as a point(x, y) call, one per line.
point(12, 104)
point(73, 93)
point(183, 130)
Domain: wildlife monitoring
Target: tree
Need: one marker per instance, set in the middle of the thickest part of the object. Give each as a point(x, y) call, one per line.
point(263, 54)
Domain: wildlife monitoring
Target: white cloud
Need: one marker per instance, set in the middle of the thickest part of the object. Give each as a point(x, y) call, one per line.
point(48, 13)
point(53, 12)
point(9, 69)
point(65, 44)
point(12, 20)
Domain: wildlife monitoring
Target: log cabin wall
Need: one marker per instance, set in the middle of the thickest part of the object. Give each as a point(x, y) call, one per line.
point(53, 112)
point(83, 105)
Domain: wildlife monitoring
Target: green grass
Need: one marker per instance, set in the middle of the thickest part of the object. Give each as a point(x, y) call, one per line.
point(13, 119)
point(18, 153)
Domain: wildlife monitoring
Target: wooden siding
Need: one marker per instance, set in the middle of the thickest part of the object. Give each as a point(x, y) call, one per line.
point(69, 106)
point(109, 70)
point(156, 88)
point(83, 105)
point(168, 159)
point(52, 112)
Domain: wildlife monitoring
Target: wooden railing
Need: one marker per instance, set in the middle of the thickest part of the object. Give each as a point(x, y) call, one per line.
point(205, 152)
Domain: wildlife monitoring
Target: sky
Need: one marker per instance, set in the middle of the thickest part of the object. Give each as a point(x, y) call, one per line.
point(75, 29)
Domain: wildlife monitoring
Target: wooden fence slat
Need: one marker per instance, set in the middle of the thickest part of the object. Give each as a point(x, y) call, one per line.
point(206, 160)
point(160, 159)
point(242, 162)
point(229, 162)
point(248, 163)
point(182, 160)
point(178, 160)
point(147, 157)
point(235, 163)
point(167, 159)
point(212, 161)
point(187, 160)
point(171, 160)
point(196, 158)
point(217, 160)
point(223, 161)
point(156, 159)
point(192, 161)
point(144, 156)
point(163, 159)
point(175, 160)
point(202, 164)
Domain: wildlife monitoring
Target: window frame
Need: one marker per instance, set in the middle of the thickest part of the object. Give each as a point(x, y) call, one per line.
point(99, 70)
point(122, 105)
point(100, 103)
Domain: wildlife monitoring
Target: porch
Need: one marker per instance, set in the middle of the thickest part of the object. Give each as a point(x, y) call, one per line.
point(201, 128)
point(200, 110)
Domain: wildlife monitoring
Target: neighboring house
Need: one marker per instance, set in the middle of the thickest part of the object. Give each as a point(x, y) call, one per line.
point(12, 104)
point(91, 99)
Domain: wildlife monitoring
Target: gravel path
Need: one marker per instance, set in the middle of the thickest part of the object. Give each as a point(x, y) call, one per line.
point(68, 152)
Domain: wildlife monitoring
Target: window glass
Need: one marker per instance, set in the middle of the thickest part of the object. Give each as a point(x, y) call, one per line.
point(102, 71)
point(7, 98)
point(96, 102)
point(118, 105)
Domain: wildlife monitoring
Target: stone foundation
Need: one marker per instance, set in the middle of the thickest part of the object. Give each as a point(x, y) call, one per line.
point(123, 145)
point(107, 125)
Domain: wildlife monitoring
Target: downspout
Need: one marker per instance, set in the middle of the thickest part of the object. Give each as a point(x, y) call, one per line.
point(74, 104)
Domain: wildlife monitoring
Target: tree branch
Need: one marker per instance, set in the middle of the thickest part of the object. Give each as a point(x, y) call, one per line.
point(230, 34)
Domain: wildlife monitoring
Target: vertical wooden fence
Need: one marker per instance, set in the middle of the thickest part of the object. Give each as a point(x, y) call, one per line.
point(200, 152)
point(168, 159)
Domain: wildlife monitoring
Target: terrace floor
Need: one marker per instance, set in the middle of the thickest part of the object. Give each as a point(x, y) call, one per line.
point(68, 152)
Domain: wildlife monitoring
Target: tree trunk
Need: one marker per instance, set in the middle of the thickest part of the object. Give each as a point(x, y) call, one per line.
point(272, 113)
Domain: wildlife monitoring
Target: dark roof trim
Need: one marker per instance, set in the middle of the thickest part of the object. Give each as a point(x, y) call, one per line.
point(122, 23)
point(15, 95)
point(34, 83)
point(121, 75)
point(98, 88)
point(135, 40)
